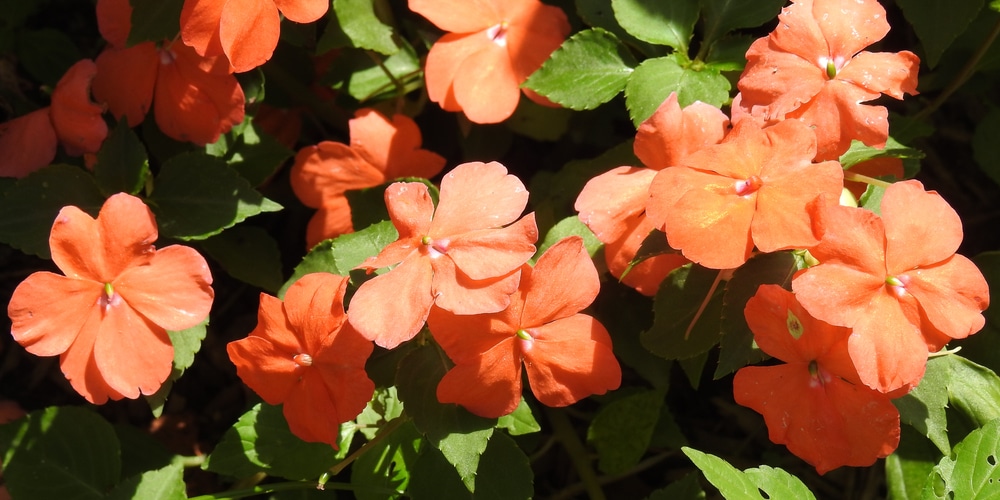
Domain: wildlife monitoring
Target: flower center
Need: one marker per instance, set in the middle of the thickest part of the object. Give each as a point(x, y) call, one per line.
point(109, 298)
point(748, 186)
point(526, 339)
point(817, 377)
point(435, 248)
point(167, 56)
point(303, 359)
point(832, 65)
point(897, 285)
point(498, 33)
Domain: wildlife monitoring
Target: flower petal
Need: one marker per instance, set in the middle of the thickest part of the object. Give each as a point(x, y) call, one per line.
point(836, 293)
point(114, 21)
point(265, 368)
point(533, 33)
point(458, 16)
point(486, 85)
point(393, 147)
point(952, 294)
point(887, 349)
point(133, 355)
point(890, 73)
point(410, 209)
point(444, 61)
point(408, 288)
point(670, 133)
point(303, 11)
point(79, 365)
point(570, 359)
point(125, 80)
point(47, 327)
point(329, 169)
point(173, 290)
point(489, 387)
point(331, 220)
point(849, 25)
point(563, 282)
point(455, 291)
point(921, 228)
point(488, 253)
point(200, 25)
point(477, 196)
point(465, 337)
point(609, 201)
point(27, 143)
point(314, 305)
point(76, 119)
point(785, 330)
point(249, 31)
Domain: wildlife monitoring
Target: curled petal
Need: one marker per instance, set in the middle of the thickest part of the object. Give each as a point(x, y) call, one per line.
point(76, 119)
point(114, 21)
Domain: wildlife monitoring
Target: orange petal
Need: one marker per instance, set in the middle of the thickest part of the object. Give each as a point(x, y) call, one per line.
point(609, 201)
point(488, 253)
point(570, 359)
point(173, 290)
point(249, 31)
point(848, 25)
point(837, 293)
point(407, 287)
point(114, 21)
point(465, 337)
point(455, 291)
point(458, 16)
point(27, 143)
point(854, 237)
point(327, 396)
point(76, 119)
point(670, 134)
point(328, 169)
point(199, 23)
point(303, 11)
point(799, 33)
point(330, 221)
point(532, 34)
point(838, 118)
point(887, 349)
point(265, 367)
point(125, 80)
point(486, 86)
point(444, 61)
point(79, 365)
point(489, 387)
point(314, 305)
point(393, 147)
point(780, 80)
point(784, 218)
point(133, 355)
point(647, 275)
point(563, 282)
point(410, 209)
point(47, 327)
point(952, 295)
point(785, 330)
point(920, 227)
point(477, 196)
point(890, 73)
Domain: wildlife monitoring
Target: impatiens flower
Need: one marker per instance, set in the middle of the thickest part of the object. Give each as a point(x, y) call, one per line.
point(107, 318)
point(813, 404)
point(380, 150)
point(194, 98)
point(465, 256)
point(758, 187)
point(27, 143)
point(305, 356)
point(245, 31)
point(491, 48)
point(896, 281)
point(613, 204)
point(567, 354)
point(812, 68)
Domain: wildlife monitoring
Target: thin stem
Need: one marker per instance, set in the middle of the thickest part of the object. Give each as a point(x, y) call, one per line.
point(400, 88)
point(387, 429)
point(704, 304)
point(187, 462)
point(962, 76)
point(854, 176)
point(565, 434)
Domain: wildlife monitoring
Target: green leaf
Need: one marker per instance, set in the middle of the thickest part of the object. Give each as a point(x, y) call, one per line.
point(738, 348)
point(570, 226)
point(937, 24)
point(589, 69)
point(676, 305)
point(384, 407)
point(361, 22)
point(197, 196)
point(757, 483)
point(140, 451)
point(248, 254)
point(387, 466)
point(972, 470)
point(160, 484)
point(622, 430)
point(340, 255)
point(859, 152)
point(543, 123)
point(365, 80)
point(60, 452)
point(655, 243)
point(655, 21)
point(723, 16)
point(254, 154)
point(687, 488)
point(906, 470)
point(504, 471)
point(261, 442)
point(122, 165)
point(984, 347)
point(653, 81)
point(186, 344)
point(973, 389)
point(599, 14)
point(154, 20)
point(872, 199)
point(28, 209)
point(520, 421)
point(729, 53)
point(45, 54)
point(923, 407)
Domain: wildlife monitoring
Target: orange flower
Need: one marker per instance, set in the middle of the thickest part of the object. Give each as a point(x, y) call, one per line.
point(380, 150)
point(459, 256)
point(814, 404)
point(567, 355)
point(491, 48)
point(246, 31)
point(303, 354)
point(812, 68)
point(897, 281)
point(195, 98)
point(613, 204)
point(27, 143)
point(116, 302)
point(758, 187)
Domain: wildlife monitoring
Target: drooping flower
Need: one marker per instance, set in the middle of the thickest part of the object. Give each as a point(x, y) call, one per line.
point(245, 31)
point(758, 187)
point(465, 256)
point(380, 150)
point(194, 98)
point(491, 48)
point(304, 355)
point(896, 281)
point(812, 68)
point(567, 355)
point(613, 204)
point(814, 403)
point(118, 298)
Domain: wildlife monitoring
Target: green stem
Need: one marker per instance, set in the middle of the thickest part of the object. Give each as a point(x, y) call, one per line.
point(386, 430)
point(853, 176)
point(566, 436)
point(963, 75)
point(187, 462)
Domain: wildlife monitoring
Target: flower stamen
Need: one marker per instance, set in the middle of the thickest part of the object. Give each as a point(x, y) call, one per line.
point(303, 360)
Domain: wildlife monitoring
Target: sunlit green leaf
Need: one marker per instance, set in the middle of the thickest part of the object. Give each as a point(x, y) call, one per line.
point(360, 21)
point(387, 467)
point(166, 483)
point(758, 483)
point(653, 81)
point(655, 21)
point(340, 255)
point(972, 470)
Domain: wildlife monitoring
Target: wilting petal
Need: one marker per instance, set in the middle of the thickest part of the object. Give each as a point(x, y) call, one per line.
point(886, 347)
point(125, 80)
point(76, 119)
point(48, 310)
point(249, 31)
point(489, 387)
point(563, 282)
point(920, 226)
point(264, 367)
point(952, 294)
point(488, 253)
point(133, 355)
point(478, 196)
point(407, 287)
point(670, 133)
point(609, 201)
point(27, 143)
point(455, 291)
point(570, 359)
point(303, 11)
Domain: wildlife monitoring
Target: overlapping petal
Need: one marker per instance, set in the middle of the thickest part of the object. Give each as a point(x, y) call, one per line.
point(193, 104)
point(76, 119)
point(27, 143)
point(40, 323)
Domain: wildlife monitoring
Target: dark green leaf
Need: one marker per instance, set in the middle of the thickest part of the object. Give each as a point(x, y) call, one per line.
point(140, 451)
point(186, 344)
point(972, 470)
point(46, 54)
point(360, 21)
point(729, 53)
point(504, 471)
point(723, 16)
point(655, 243)
point(678, 303)
point(984, 144)
point(655, 21)
point(738, 348)
point(197, 196)
point(365, 80)
point(938, 24)
point(60, 452)
point(261, 442)
point(653, 81)
point(589, 69)
point(600, 14)
point(387, 467)
point(340, 255)
point(154, 20)
point(248, 254)
point(687, 488)
point(906, 470)
point(622, 430)
point(28, 209)
point(543, 123)
point(161, 484)
point(333, 36)
point(253, 153)
point(984, 347)
point(122, 165)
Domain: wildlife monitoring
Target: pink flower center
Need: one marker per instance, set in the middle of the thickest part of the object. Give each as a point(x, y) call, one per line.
point(167, 56)
point(817, 376)
point(832, 65)
point(109, 298)
point(748, 186)
point(525, 339)
point(897, 285)
point(435, 248)
point(498, 33)
point(303, 359)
